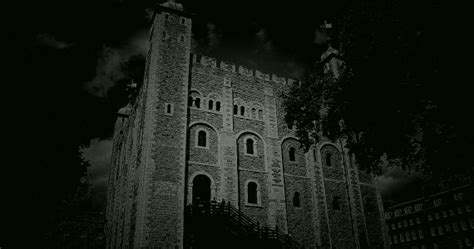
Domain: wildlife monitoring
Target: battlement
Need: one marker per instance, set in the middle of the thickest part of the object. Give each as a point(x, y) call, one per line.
point(241, 70)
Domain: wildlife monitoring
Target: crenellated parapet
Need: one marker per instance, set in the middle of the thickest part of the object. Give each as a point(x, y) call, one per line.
point(241, 70)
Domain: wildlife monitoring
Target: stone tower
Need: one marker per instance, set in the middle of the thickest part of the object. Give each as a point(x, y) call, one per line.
point(202, 129)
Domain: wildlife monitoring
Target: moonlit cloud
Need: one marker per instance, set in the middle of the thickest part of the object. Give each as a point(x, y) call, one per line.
point(50, 41)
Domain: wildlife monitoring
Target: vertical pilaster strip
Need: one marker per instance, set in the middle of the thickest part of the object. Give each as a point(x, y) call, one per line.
point(274, 166)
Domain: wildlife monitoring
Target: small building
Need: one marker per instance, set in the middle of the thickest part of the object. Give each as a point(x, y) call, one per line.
point(443, 220)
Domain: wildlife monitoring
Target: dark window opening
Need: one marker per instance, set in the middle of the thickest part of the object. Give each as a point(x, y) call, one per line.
point(328, 159)
point(166, 17)
point(121, 132)
point(190, 101)
point(242, 110)
point(202, 139)
point(235, 109)
point(252, 193)
point(211, 104)
point(218, 106)
point(335, 203)
point(296, 199)
point(249, 146)
point(182, 38)
point(168, 108)
point(254, 113)
point(197, 102)
point(164, 36)
point(292, 154)
point(182, 20)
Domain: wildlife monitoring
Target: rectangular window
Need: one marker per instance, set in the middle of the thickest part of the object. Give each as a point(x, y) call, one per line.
point(452, 212)
point(440, 230)
point(421, 234)
point(455, 227)
point(463, 225)
point(447, 227)
point(407, 234)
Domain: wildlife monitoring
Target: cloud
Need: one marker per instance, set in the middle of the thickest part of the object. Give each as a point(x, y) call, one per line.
point(397, 184)
point(51, 41)
point(98, 154)
point(265, 44)
point(110, 63)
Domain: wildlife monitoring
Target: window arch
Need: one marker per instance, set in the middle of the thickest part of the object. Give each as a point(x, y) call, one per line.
point(328, 159)
point(202, 138)
point(292, 153)
point(252, 193)
point(296, 199)
point(242, 110)
point(236, 109)
point(218, 105)
point(211, 104)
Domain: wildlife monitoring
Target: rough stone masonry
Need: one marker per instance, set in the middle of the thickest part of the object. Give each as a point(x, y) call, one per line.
point(198, 118)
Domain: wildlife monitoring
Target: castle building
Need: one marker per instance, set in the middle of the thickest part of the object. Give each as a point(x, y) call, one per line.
point(201, 130)
point(441, 220)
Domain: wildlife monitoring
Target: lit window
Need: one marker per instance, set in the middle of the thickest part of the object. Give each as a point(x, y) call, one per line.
point(292, 154)
point(252, 193)
point(202, 139)
point(296, 199)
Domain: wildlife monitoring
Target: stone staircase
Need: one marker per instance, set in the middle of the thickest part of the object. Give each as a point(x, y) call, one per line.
point(221, 225)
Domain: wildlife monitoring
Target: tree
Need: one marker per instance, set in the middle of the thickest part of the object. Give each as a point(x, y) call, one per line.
point(391, 103)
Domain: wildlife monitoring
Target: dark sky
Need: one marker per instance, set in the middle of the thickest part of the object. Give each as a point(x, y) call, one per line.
point(78, 54)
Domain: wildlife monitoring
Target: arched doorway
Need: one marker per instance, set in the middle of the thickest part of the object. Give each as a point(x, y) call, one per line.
point(201, 189)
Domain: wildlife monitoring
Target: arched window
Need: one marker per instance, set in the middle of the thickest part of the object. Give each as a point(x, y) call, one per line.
point(328, 159)
point(260, 114)
point(249, 146)
point(202, 139)
point(169, 109)
point(292, 152)
point(197, 102)
point(335, 203)
point(211, 104)
point(236, 109)
point(242, 110)
point(218, 106)
point(254, 113)
point(252, 193)
point(296, 199)
point(190, 101)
